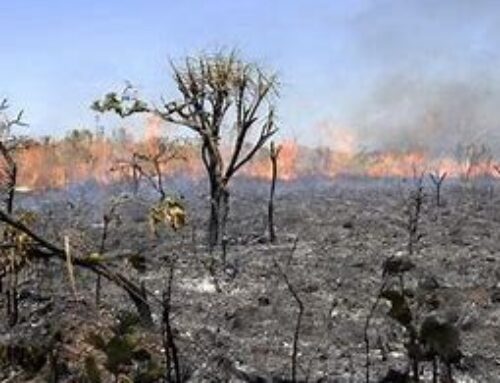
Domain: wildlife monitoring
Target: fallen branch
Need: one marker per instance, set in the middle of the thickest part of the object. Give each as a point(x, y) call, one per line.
point(41, 248)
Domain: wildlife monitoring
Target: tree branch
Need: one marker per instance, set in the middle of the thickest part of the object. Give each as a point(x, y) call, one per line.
point(45, 249)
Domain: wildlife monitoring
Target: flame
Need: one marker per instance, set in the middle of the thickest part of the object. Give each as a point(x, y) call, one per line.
point(397, 165)
point(287, 160)
point(260, 167)
point(153, 128)
point(56, 163)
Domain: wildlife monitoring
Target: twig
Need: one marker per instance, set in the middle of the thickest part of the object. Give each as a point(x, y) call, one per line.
point(171, 353)
point(69, 266)
point(106, 220)
point(300, 305)
point(273, 156)
point(415, 204)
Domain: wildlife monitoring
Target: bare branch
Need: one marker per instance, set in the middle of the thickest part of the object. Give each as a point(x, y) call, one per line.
point(267, 130)
point(300, 305)
point(437, 179)
point(44, 249)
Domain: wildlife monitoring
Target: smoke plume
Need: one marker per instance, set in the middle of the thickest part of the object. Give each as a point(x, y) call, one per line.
point(433, 81)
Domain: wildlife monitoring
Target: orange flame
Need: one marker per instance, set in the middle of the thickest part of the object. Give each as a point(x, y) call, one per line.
point(58, 163)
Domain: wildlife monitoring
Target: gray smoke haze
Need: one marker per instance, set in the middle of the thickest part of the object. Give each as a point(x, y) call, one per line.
point(434, 74)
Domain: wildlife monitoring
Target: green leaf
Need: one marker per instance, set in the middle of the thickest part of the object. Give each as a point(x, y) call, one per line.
point(94, 258)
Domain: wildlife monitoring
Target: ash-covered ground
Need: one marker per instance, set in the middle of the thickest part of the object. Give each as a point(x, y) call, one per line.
point(333, 239)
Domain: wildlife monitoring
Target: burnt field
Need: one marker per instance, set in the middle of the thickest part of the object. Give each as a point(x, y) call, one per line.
point(232, 315)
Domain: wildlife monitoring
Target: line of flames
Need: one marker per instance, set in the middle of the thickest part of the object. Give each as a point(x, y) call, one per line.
point(58, 163)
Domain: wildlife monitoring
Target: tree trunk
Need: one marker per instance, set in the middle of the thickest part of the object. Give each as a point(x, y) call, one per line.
point(142, 306)
point(219, 212)
point(270, 208)
point(224, 213)
point(12, 302)
point(213, 224)
point(438, 195)
point(11, 189)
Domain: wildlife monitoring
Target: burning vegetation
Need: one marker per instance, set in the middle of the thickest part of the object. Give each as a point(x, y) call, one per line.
point(83, 156)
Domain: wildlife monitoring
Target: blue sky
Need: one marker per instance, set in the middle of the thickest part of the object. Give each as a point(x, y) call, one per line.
point(356, 64)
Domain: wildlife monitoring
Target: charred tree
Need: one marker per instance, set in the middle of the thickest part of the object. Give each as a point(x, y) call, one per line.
point(273, 156)
point(414, 211)
point(149, 164)
point(221, 100)
point(300, 314)
point(474, 159)
point(169, 344)
point(437, 179)
point(8, 146)
point(107, 219)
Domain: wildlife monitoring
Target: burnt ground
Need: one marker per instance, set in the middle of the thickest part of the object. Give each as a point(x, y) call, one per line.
point(343, 231)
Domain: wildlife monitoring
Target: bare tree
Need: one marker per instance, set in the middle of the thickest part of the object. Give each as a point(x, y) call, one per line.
point(300, 314)
point(414, 211)
point(169, 344)
point(149, 163)
point(107, 219)
point(9, 144)
point(273, 156)
point(437, 179)
point(127, 170)
point(473, 158)
point(222, 97)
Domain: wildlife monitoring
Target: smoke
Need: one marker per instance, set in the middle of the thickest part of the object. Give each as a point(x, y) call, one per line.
point(431, 78)
point(431, 115)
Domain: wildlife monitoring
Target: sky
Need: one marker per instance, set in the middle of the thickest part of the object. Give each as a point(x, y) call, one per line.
point(385, 71)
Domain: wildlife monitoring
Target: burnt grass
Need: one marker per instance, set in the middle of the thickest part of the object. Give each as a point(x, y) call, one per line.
point(343, 231)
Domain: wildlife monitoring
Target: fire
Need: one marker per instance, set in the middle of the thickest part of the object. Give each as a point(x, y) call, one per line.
point(287, 160)
point(83, 156)
point(154, 126)
point(397, 164)
point(260, 167)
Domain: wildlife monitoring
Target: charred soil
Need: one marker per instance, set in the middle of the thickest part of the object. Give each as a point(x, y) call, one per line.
point(235, 320)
